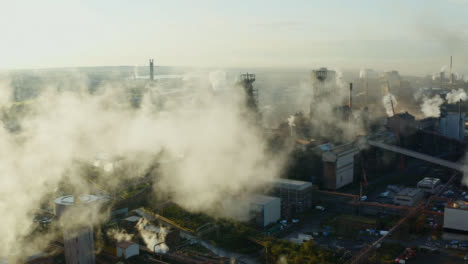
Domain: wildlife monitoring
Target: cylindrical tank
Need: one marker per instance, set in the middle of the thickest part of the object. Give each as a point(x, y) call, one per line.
point(78, 239)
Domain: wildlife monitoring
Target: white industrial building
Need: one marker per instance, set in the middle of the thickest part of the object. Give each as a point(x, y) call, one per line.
point(338, 168)
point(452, 124)
point(430, 185)
point(408, 197)
point(456, 216)
point(127, 249)
point(264, 209)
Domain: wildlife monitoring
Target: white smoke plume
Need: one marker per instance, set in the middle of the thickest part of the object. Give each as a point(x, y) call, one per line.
point(291, 123)
point(216, 152)
point(153, 237)
point(328, 110)
point(387, 102)
point(119, 235)
point(431, 106)
point(218, 80)
point(456, 95)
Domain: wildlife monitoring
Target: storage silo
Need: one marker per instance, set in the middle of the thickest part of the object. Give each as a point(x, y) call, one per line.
point(78, 238)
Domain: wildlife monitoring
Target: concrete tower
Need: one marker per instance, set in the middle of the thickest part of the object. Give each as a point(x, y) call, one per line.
point(151, 64)
point(78, 239)
point(246, 81)
point(323, 86)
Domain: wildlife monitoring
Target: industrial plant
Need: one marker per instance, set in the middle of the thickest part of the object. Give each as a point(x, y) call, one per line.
point(221, 137)
point(360, 172)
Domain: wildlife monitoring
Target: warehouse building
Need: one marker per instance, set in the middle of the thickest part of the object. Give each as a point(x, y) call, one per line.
point(455, 217)
point(429, 185)
point(296, 196)
point(408, 197)
point(338, 165)
point(263, 209)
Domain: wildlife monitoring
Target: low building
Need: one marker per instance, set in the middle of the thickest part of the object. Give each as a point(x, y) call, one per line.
point(338, 168)
point(127, 249)
point(296, 196)
point(408, 197)
point(455, 217)
point(430, 185)
point(263, 209)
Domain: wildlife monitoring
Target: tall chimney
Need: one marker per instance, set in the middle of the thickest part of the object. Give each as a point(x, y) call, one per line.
point(350, 104)
point(460, 123)
point(151, 61)
point(450, 77)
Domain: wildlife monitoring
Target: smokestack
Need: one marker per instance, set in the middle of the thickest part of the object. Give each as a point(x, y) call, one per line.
point(459, 118)
point(151, 61)
point(350, 104)
point(367, 93)
point(451, 78)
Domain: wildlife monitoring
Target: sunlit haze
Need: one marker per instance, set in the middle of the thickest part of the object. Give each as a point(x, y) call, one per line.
point(412, 36)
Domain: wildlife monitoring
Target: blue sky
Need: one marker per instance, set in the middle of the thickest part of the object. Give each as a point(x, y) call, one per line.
point(413, 36)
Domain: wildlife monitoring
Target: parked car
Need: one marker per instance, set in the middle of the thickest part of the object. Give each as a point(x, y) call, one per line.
point(320, 208)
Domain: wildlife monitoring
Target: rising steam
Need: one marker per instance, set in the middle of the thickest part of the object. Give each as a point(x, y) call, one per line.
point(215, 152)
point(456, 95)
point(155, 238)
point(119, 235)
point(431, 106)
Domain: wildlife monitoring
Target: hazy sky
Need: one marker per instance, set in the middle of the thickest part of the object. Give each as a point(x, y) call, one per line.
point(411, 36)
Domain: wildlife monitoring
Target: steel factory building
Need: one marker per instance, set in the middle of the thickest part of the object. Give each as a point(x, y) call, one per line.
point(408, 196)
point(455, 217)
point(264, 210)
point(338, 165)
point(296, 196)
point(429, 185)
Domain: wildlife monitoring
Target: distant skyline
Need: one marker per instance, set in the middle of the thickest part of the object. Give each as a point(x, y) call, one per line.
point(414, 37)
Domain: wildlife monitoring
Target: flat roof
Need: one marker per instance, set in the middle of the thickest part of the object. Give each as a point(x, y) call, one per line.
point(70, 199)
point(292, 184)
point(428, 181)
point(410, 192)
point(125, 244)
point(461, 205)
point(261, 199)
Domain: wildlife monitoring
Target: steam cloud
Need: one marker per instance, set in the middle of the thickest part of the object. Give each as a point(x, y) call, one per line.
point(119, 235)
point(325, 110)
point(431, 106)
point(456, 95)
point(154, 238)
point(215, 151)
